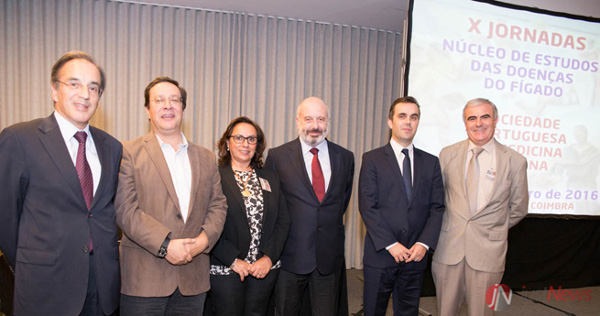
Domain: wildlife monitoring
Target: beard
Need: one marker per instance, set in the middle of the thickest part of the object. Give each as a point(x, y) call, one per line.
point(313, 140)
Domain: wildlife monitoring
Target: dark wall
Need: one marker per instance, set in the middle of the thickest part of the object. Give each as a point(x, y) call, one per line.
point(544, 252)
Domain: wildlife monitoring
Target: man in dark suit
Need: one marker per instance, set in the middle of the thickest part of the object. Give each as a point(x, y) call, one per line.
point(401, 200)
point(57, 222)
point(316, 176)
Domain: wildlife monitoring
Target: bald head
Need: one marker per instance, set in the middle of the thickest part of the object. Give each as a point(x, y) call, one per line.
point(312, 120)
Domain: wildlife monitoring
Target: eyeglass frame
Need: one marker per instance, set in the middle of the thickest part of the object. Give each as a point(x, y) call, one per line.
point(75, 84)
point(238, 137)
point(159, 101)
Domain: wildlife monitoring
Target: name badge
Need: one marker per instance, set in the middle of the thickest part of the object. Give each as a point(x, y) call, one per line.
point(490, 174)
point(264, 184)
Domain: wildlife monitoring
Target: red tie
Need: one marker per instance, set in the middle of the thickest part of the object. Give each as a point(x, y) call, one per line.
point(318, 181)
point(84, 172)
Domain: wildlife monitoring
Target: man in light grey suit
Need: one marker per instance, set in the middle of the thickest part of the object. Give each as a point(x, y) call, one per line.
point(485, 196)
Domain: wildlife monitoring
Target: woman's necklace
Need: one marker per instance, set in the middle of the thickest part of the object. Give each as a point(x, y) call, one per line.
point(245, 193)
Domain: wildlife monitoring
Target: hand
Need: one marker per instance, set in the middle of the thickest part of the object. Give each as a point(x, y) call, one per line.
point(177, 252)
point(242, 268)
point(198, 245)
point(399, 252)
point(261, 267)
point(418, 252)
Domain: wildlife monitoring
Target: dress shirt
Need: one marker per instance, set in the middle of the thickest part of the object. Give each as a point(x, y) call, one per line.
point(323, 160)
point(68, 130)
point(487, 170)
point(181, 172)
point(397, 148)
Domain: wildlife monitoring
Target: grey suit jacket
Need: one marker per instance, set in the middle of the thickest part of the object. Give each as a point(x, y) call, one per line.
point(147, 211)
point(482, 237)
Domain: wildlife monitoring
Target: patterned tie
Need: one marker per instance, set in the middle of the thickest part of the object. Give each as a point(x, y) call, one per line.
point(318, 180)
point(84, 172)
point(473, 179)
point(407, 173)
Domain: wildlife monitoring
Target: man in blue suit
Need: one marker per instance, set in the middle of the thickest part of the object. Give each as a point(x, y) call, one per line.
point(316, 176)
point(401, 200)
point(58, 177)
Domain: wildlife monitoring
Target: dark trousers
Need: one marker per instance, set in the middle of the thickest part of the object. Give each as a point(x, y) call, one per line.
point(324, 292)
point(401, 282)
point(172, 305)
point(230, 297)
point(91, 307)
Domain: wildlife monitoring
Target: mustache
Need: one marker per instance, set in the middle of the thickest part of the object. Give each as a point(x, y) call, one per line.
point(318, 130)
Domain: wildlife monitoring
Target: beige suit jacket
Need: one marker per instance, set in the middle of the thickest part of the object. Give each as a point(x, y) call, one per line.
point(481, 238)
point(147, 210)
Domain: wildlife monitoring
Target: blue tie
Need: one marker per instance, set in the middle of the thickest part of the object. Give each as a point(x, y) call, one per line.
point(406, 173)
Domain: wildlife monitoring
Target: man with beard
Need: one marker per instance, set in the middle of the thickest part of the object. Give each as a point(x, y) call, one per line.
point(316, 176)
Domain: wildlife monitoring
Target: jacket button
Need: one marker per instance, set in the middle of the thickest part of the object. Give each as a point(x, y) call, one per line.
point(90, 215)
point(86, 249)
point(404, 230)
point(179, 216)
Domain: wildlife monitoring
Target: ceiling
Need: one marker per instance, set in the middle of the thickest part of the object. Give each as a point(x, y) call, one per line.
point(379, 14)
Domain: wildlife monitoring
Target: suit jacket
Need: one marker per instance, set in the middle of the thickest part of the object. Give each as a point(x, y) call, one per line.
point(387, 212)
point(316, 238)
point(235, 240)
point(44, 222)
point(148, 210)
point(481, 238)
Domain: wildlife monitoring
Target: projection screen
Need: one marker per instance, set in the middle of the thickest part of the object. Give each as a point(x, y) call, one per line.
point(542, 72)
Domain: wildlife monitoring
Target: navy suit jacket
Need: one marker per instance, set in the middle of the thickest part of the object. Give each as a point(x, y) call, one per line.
point(316, 238)
point(235, 239)
point(44, 222)
point(387, 212)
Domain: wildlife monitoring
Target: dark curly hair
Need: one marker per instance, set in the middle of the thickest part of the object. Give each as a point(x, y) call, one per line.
point(261, 144)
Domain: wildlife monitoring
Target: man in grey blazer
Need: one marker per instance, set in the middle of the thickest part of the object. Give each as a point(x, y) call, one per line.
point(486, 192)
point(58, 177)
point(171, 209)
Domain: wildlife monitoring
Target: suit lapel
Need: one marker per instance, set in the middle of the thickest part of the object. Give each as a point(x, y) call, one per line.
point(229, 180)
point(194, 157)
point(297, 161)
point(417, 171)
point(460, 160)
point(156, 156)
point(502, 160)
point(52, 140)
point(392, 161)
point(104, 155)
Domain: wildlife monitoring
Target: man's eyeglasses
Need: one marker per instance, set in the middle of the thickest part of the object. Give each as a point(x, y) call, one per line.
point(173, 101)
point(239, 139)
point(93, 88)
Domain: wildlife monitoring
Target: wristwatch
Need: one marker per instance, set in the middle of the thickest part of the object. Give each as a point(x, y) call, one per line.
point(162, 251)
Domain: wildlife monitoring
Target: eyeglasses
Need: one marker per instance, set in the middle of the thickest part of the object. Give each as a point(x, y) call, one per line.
point(239, 139)
point(310, 119)
point(173, 101)
point(93, 88)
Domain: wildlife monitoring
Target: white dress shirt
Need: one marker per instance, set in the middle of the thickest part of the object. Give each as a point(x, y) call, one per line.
point(397, 148)
point(181, 172)
point(68, 130)
point(323, 160)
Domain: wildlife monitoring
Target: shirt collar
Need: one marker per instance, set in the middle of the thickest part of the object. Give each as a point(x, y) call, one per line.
point(489, 146)
point(398, 148)
point(182, 145)
point(67, 129)
point(322, 147)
